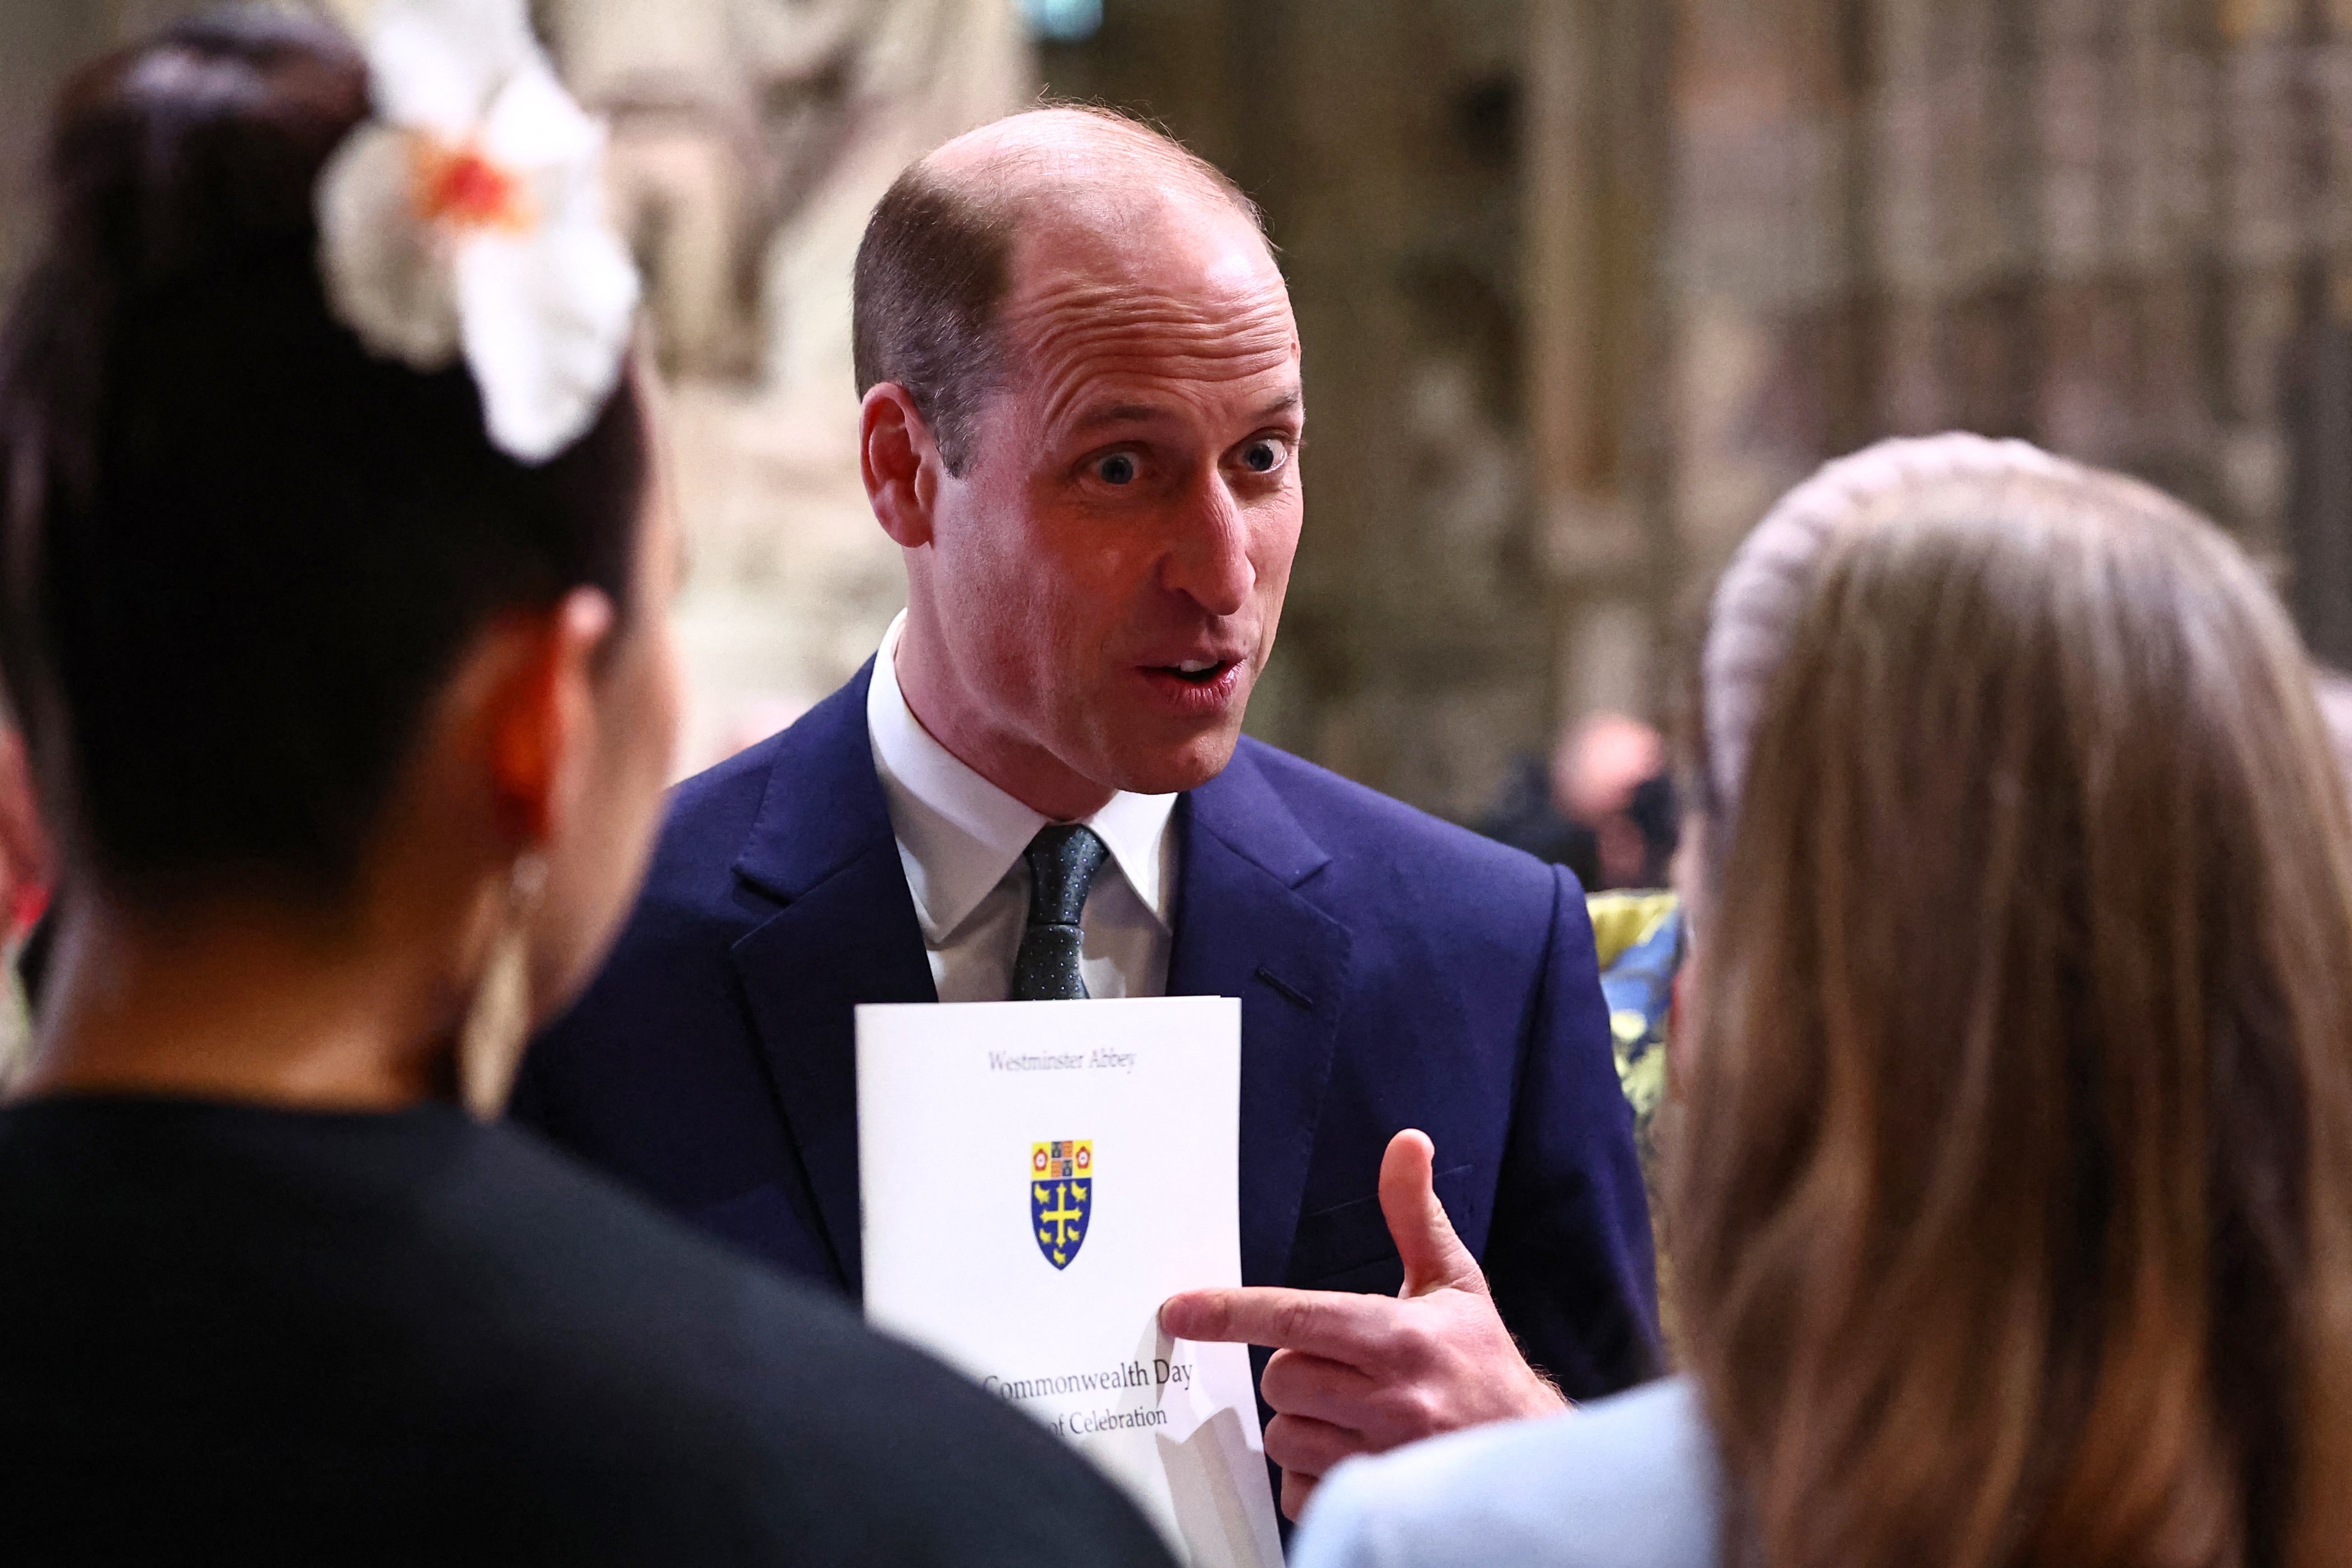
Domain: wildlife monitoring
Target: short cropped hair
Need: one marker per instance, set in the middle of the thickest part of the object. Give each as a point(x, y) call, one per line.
point(936, 264)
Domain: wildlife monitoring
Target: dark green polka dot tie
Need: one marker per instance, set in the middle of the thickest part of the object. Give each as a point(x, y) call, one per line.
point(1063, 860)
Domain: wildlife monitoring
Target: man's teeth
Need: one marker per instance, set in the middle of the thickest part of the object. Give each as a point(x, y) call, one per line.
point(1197, 666)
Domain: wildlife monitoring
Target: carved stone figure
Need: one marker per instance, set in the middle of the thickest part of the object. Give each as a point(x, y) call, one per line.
point(750, 138)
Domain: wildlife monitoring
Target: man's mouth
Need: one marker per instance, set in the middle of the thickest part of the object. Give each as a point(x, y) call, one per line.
point(1201, 687)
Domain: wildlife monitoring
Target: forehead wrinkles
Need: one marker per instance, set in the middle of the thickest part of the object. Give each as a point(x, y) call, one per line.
point(1071, 336)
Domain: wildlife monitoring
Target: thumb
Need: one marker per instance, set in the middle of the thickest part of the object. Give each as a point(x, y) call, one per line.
point(1435, 1257)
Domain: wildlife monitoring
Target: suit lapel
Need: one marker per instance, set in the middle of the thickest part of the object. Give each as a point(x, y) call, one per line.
point(1244, 930)
point(823, 845)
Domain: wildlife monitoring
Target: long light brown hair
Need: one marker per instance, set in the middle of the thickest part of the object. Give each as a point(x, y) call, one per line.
point(2009, 1200)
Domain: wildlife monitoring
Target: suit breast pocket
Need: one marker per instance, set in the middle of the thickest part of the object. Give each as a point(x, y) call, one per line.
point(1348, 1247)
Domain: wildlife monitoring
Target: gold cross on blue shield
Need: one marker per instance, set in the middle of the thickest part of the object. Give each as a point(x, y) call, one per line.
point(1061, 1196)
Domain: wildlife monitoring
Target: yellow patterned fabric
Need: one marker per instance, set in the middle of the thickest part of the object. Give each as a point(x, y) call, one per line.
point(1638, 939)
point(1621, 920)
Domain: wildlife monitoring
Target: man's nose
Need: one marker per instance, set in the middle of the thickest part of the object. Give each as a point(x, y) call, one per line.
point(1210, 559)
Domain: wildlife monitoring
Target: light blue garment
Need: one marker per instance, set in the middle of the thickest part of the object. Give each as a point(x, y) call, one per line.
point(1628, 1482)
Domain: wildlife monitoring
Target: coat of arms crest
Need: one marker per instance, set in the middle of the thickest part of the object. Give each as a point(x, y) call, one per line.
point(1061, 1196)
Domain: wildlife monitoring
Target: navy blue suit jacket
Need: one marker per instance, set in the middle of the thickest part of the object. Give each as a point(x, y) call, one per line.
point(1393, 972)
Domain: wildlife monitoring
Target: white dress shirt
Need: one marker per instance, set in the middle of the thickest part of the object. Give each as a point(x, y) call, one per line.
point(961, 839)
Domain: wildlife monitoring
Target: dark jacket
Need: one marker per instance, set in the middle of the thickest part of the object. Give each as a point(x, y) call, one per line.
point(236, 1335)
point(1393, 972)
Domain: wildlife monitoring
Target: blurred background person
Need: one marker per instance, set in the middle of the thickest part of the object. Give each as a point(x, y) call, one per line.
point(1610, 775)
point(349, 693)
point(2007, 1209)
point(1603, 804)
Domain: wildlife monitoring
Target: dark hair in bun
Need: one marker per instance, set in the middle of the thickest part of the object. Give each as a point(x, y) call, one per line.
point(241, 554)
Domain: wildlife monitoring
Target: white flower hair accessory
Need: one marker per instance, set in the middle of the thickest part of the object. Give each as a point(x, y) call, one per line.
point(469, 217)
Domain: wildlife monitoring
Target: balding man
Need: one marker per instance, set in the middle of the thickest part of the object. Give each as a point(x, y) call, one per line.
point(1082, 424)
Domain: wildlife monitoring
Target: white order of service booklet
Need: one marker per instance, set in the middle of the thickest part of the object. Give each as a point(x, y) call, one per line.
point(1037, 1177)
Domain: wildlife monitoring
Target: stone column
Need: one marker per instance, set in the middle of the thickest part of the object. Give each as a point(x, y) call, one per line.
point(1593, 193)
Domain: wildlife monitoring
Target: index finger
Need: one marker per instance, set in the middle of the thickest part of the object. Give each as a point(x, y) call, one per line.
point(1335, 1324)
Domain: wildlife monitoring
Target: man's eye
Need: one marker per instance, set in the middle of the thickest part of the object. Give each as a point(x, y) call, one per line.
point(1261, 457)
point(1118, 468)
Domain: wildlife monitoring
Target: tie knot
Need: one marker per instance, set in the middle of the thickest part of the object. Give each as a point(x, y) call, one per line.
point(1063, 860)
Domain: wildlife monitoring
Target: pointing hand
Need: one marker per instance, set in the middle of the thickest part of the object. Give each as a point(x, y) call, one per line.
point(1360, 1375)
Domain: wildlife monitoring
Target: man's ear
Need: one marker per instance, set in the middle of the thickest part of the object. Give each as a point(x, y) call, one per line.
point(900, 464)
point(539, 712)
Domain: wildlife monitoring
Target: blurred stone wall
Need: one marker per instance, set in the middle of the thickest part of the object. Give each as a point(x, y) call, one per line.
point(2114, 229)
point(1586, 284)
point(1583, 285)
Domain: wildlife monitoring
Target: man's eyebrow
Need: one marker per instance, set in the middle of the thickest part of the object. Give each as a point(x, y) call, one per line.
point(1288, 403)
point(1146, 412)
point(1122, 414)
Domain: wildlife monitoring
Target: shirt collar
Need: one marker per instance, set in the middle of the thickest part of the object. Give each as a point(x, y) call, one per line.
point(960, 834)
